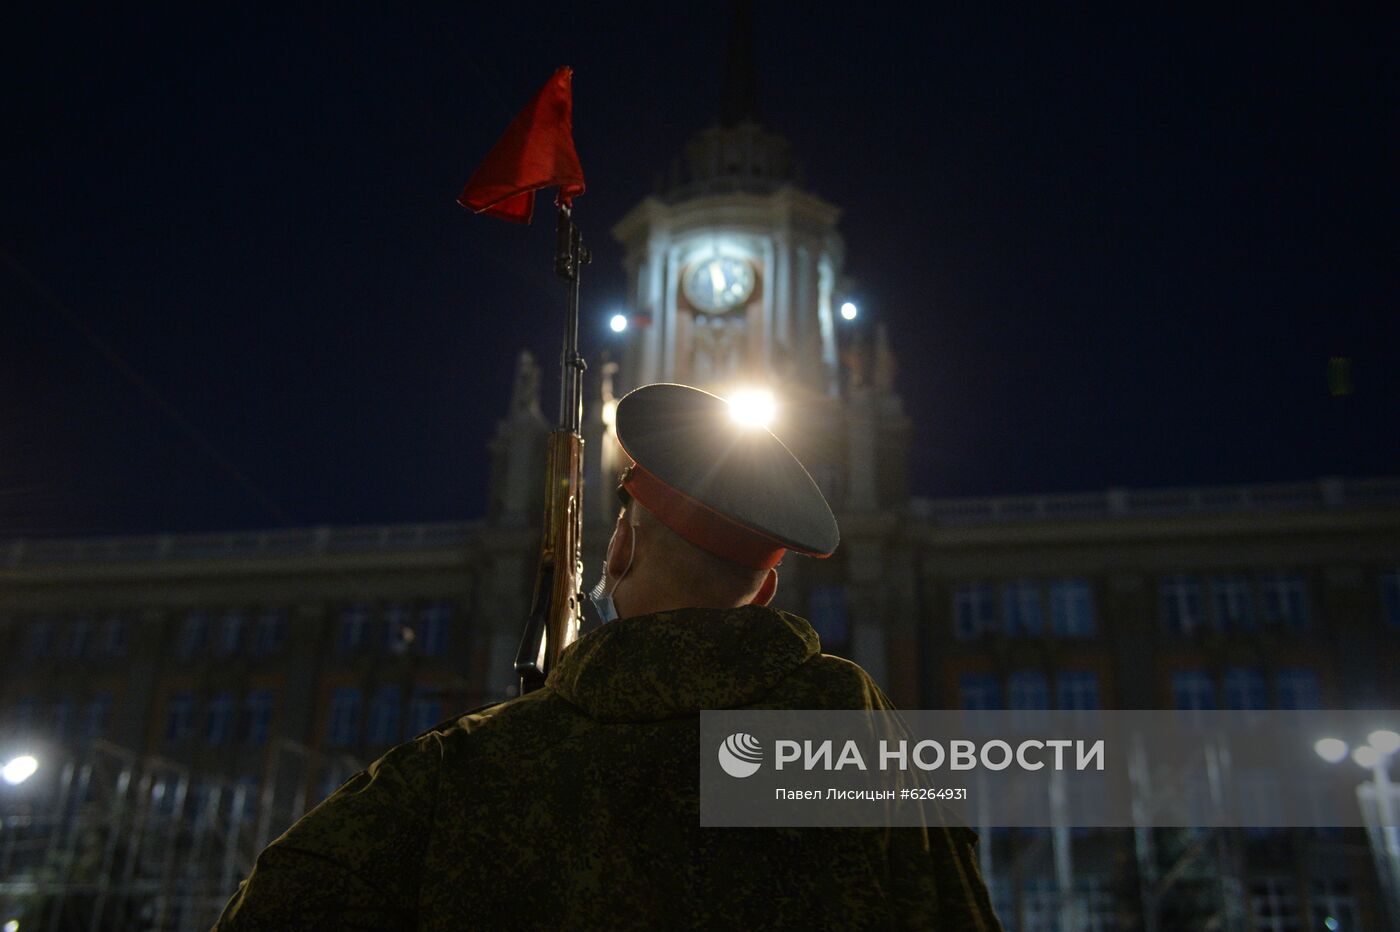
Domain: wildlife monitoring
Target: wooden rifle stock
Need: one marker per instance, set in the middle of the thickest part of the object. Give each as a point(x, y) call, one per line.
point(555, 609)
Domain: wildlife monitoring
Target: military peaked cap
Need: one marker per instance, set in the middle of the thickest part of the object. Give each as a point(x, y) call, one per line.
point(731, 489)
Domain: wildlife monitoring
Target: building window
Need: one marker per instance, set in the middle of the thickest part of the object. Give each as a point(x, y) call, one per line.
point(1232, 603)
point(37, 639)
point(1020, 607)
point(79, 636)
point(826, 610)
point(1072, 608)
point(1297, 688)
point(218, 720)
point(435, 626)
point(193, 630)
point(979, 691)
point(1100, 909)
point(424, 712)
point(354, 629)
point(334, 776)
point(1078, 689)
point(1390, 596)
point(1028, 689)
point(179, 717)
point(1333, 906)
point(1274, 903)
point(1179, 602)
point(268, 632)
point(974, 610)
point(112, 640)
point(26, 714)
point(229, 634)
point(1283, 599)
point(1040, 902)
point(398, 628)
point(257, 722)
point(384, 715)
point(344, 730)
point(1193, 690)
point(61, 717)
point(97, 715)
point(1245, 689)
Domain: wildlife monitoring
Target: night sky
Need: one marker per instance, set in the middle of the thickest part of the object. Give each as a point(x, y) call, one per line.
point(1111, 252)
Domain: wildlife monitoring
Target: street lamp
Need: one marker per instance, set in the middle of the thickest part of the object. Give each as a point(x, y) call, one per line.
point(1375, 756)
point(849, 310)
point(19, 769)
point(618, 323)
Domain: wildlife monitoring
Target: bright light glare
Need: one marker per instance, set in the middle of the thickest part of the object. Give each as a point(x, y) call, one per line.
point(1366, 756)
point(1332, 750)
point(11, 926)
point(753, 407)
point(1385, 741)
point(849, 311)
point(618, 323)
point(19, 769)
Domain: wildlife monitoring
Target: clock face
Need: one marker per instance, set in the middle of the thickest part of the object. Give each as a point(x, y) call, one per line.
point(719, 284)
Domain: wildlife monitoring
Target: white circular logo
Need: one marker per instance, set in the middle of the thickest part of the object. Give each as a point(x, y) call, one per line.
point(740, 755)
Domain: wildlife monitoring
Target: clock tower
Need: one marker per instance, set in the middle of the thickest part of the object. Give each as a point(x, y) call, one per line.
point(735, 271)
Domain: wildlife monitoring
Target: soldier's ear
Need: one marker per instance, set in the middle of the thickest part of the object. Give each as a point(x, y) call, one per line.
point(766, 591)
point(620, 547)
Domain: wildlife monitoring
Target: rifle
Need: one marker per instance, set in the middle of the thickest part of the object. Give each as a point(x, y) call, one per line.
point(556, 606)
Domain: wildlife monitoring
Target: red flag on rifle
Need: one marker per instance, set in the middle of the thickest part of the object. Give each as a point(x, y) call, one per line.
point(537, 151)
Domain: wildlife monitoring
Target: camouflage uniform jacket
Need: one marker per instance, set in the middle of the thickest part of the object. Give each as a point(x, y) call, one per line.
point(577, 807)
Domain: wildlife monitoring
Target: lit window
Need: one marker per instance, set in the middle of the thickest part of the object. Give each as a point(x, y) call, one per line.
point(193, 630)
point(974, 610)
point(353, 630)
point(179, 717)
point(218, 721)
point(826, 610)
point(1232, 603)
point(257, 721)
point(344, 729)
point(979, 691)
point(1283, 600)
point(424, 712)
point(1193, 690)
point(1072, 608)
point(1179, 602)
point(1245, 689)
point(384, 715)
point(1078, 689)
point(1020, 606)
point(1297, 688)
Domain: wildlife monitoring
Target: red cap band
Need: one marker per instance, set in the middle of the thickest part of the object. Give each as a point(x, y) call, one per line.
point(701, 525)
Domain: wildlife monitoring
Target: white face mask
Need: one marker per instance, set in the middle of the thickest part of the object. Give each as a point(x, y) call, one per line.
point(602, 594)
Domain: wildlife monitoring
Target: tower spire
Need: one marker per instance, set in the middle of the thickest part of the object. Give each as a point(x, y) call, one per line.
point(739, 100)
